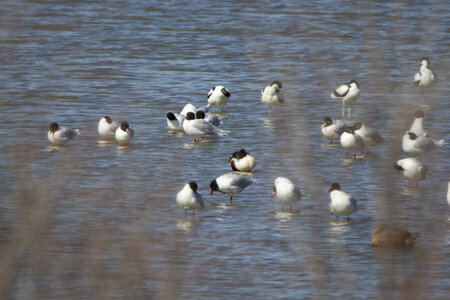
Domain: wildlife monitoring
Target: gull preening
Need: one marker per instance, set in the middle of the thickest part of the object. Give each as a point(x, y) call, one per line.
point(425, 77)
point(124, 134)
point(60, 136)
point(351, 141)
point(218, 96)
point(286, 192)
point(189, 199)
point(242, 161)
point(385, 236)
point(347, 93)
point(175, 121)
point(107, 128)
point(412, 169)
point(333, 129)
point(230, 183)
point(200, 128)
point(272, 94)
point(342, 203)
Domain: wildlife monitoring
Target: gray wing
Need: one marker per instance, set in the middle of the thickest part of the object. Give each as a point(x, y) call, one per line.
point(243, 181)
point(374, 135)
point(425, 143)
point(69, 133)
point(205, 127)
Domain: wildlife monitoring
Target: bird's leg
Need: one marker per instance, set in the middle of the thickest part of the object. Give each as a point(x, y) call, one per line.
point(291, 207)
point(222, 109)
point(343, 109)
point(354, 155)
point(331, 141)
point(409, 185)
point(337, 218)
point(349, 111)
point(231, 199)
point(417, 184)
point(348, 218)
point(185, 214)
point(193, 214)
point(346, 154)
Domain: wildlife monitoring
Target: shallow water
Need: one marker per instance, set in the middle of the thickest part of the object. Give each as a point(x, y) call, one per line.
point(94, 220)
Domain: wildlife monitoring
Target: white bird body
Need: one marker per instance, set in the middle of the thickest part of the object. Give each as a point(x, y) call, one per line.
point(124, 134)
point(414, 145)
point(60, 136)
point(426, 77)
point(242, 161)
point(412, 168)
point(189, 199)
point(370, 135)
point(198, 128)
point(417, 125)
point(333, 129)
point(231, 183)
point(107, 128)
point(272, 94)
point(188, 108)
point(286, 191)
point(351, 141)
point(347, 93)
point(342, 203)
point(218, 96)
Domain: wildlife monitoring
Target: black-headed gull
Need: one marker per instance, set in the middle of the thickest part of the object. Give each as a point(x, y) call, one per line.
point(412, 169)
point(200, 128)
point(242, 161)
point(417, 125)
point(107, 128)
point(175, 121)
point(124, 134)
point(272, 94)
point(426, 77)
point(351, 141)
point(189, 199)
point(218, 96)
point(385, 236)
point(60, 136)
point(211, 118)
point(230, 183)
point(333, 129)
point(286, 191)
point(414, 145)
point(347, 93)
point(342, 203)
point(370, 135)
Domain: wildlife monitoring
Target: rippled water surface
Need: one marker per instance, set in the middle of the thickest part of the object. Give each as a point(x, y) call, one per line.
point(92, 220)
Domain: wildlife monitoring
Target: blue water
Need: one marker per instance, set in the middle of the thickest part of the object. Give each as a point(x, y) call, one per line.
point(92, 220)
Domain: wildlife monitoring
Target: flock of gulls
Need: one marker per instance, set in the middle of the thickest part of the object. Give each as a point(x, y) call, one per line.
point(354, 137)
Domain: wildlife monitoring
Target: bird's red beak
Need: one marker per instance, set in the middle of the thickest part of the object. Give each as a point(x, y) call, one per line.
point(211, 192)
point(128, 131)
point(273, 194)
point(329, 190)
